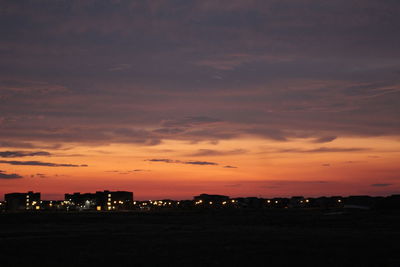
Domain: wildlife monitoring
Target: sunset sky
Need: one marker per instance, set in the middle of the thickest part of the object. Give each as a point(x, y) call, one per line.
point(173, 98)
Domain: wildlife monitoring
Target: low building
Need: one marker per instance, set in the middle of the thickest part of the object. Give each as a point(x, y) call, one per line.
point(78, 201)
point(53, 205)
point(250, 202)
point(100, 201)
point(206, 200)
point(2, 206)
point(114, 200)
point(297, 202)
point(22, 201)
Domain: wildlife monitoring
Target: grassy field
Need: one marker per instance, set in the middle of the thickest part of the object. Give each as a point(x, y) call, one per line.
point(201, 238)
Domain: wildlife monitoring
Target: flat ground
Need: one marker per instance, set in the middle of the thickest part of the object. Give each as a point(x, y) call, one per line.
point(201, 238)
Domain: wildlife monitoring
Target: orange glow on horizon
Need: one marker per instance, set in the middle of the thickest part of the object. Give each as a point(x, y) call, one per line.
point(256, 167)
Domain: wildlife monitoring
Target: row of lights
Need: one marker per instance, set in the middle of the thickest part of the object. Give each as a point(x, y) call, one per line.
point(211, 203)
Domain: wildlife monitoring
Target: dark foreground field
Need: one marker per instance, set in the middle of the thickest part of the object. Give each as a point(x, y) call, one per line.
point(201, 238)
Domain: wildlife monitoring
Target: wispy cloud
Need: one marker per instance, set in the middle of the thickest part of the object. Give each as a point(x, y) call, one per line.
point(325, 139)
point(323, 150)
point(200, 163)
point(381, 185)
point(4, 175)
point(20, 154)
point(211, 152)
point(184, 162)
point(190, 121)
point(40, 163)
point(27, 145)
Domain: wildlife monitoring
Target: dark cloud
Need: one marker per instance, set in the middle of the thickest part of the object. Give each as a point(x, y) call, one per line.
point(200, 163)
point(169, 131)
point(326, 165)
point(381, 185)
point(352, 161)
point(40, 163)
point(325, 139)
point(230, 167)
point(211, 152)
point(197, 71)
point(164, 160)
point(324, 150)
point(19, 154)
point(274, 134)
point(189, 121)
point(288, 183)
point(4, 175)
point(39, 175)
point(183, 162)
point(19, 144)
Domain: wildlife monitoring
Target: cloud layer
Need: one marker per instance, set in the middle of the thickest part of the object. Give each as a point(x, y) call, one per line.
point(198, 70)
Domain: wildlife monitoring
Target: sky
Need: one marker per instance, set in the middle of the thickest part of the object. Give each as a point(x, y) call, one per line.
point(173, 98)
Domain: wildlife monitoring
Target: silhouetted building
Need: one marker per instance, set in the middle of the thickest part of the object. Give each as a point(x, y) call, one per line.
point(391, 202)
point(2, 206)
point(78, 201)
point(53, 205)
point(210, 200)
point(329, 202)
point(101, 200)
point(22, 201)
point(277, 202)
point(297, 202)
point(114, 200)
point(250, 202)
